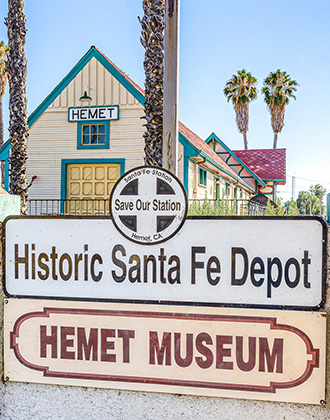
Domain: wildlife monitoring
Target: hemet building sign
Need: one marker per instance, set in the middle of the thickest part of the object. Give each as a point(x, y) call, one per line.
point(93, 113)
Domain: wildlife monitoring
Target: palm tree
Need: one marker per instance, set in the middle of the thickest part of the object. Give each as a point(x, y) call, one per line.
point(18, 128)
point(152, 39)
point(3, 84)
point(319, 191)
point(278, 89)
point(241, 90)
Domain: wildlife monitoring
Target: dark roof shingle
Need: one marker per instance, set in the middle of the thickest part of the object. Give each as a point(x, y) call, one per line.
point(268, 164)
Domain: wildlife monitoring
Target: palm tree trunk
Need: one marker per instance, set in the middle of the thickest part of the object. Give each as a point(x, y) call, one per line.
point(2, 165)
point(245, 141)
point(18, 128)
point(275, 140)
point(152, 39)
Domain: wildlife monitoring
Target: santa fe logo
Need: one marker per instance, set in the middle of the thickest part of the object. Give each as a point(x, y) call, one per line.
point(148, 205)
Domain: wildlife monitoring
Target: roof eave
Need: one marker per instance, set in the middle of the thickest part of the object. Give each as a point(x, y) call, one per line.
point(255, 176)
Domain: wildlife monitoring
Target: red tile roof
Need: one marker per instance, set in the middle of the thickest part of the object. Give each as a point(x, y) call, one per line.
point(201, 145)
point(268, 164)
point(137, 87)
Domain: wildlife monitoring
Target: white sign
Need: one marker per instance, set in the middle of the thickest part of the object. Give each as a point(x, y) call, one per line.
point(236, 353)
point(148, 205)
point(238, 261)
point(91, 113)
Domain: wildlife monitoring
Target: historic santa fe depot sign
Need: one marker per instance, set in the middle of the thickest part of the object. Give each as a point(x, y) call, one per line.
point(274, 262)
point(236, 353)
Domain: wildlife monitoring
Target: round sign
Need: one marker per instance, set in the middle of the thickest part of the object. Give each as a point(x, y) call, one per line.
point(148, 205)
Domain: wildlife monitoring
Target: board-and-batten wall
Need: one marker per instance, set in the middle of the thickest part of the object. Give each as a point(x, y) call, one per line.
point(52, 138)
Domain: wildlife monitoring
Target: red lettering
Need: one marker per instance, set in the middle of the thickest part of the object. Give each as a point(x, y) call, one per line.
point(107, 345)
point(223, 352)
point(163, 351)
point(203, 350)
point(275, 356)
point(87, 346)
point(65, 343)
point(180, 361)
point(126, 335)
point(250, 364)
point(46, 340)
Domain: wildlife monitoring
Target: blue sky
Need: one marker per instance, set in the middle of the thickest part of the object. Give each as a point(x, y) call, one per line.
point(217, 38)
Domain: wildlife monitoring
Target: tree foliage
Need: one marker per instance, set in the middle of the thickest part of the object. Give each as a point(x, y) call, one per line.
point(241, 90)
point(278, 89)
point(311, 202)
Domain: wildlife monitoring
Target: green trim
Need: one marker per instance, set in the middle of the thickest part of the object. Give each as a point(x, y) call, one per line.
point(6, 183)
point(191, 149)
point(186, 159)
point(106, 145)
point(65, 162)
point(275, 180)
point(4, 157)
point(202, 177)
point(217, 165)
point(92, 52)
point(255, 176)
point(4, 151)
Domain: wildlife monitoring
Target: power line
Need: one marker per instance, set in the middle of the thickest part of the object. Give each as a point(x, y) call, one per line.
point(307, 179)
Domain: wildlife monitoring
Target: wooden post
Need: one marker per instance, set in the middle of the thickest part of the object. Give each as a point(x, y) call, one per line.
point(171, 86)
point(328, 207)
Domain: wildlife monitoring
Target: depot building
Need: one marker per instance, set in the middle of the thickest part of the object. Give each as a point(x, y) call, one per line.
point(89, 131)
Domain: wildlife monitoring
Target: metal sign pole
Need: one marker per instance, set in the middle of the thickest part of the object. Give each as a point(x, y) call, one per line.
point(171, 86)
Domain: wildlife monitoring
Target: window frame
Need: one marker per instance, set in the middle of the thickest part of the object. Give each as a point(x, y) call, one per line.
point(200, 178)
point(82, 146)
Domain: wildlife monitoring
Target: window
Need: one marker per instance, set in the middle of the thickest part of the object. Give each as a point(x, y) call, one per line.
point(227, 188)
point(93, 136)
point(93, 133)
point(202, 176)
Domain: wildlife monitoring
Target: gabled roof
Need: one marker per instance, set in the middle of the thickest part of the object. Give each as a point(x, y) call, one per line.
point(250, 170)
point(269, 164)
point(122, 78)
point(206, 152)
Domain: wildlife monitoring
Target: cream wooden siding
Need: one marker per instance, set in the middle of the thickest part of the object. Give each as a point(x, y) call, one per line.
point(104, 89)
point(52, 138)
point(191, 180)
point(207, 191)
point(181, 163)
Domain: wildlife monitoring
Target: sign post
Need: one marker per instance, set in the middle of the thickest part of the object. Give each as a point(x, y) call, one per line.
point(171, 86)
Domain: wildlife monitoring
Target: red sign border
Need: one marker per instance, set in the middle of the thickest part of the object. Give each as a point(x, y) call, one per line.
point(272, 321)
